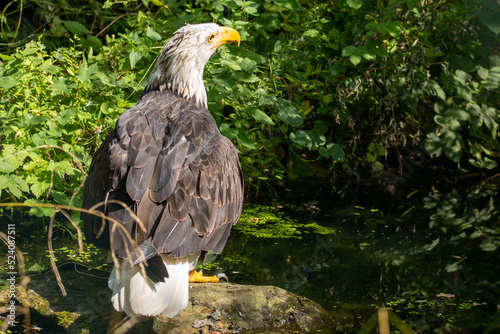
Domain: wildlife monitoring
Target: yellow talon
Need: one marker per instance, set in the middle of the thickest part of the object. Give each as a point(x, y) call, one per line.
point(197, 277)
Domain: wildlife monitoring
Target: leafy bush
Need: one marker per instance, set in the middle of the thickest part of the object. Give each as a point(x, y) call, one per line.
point(57, 107)
point(313, 85)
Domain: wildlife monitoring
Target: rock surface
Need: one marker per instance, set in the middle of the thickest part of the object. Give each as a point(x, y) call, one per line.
point(212, 308)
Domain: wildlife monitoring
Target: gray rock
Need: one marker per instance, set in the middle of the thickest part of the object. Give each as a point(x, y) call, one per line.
point(212, 308)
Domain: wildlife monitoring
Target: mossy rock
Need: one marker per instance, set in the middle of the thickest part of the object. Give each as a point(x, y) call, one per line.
point(227, 307)
point(213, 307)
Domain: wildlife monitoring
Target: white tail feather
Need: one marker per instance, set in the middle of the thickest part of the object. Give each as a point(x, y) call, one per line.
point(137, 295)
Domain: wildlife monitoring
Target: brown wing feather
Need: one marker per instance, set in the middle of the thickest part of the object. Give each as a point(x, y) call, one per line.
point(168, 162)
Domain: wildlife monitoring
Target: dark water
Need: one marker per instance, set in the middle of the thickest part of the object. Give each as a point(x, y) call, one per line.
point(375, 258)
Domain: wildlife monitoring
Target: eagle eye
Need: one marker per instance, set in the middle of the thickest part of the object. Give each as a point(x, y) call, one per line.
point(211, 38)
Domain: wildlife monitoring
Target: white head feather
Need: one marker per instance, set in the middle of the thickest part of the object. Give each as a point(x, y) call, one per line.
point(182, 62)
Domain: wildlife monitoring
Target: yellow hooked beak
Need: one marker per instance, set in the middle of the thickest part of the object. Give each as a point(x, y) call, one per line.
point(228, 35)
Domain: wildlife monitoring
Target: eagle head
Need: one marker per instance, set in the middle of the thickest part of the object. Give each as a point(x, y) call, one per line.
point(181, 64)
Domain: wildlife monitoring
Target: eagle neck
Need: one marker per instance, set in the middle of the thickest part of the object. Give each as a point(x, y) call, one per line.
point(182, 72)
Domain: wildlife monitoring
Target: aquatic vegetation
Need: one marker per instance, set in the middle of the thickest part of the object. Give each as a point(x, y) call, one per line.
point(272, 221)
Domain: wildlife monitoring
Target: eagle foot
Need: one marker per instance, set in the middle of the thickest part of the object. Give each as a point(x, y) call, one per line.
point(197, 277)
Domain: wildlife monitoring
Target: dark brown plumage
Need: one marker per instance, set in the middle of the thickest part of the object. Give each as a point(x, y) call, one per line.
point(168, 163)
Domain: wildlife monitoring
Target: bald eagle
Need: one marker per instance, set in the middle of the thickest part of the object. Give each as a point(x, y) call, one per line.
point(166, 162)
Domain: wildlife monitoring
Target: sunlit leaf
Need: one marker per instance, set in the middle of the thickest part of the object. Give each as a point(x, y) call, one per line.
point(153, 34)
point(288, 4)
point(355, 4)
point(260, 116)
point(7, 82)
point(134, 57)
point(307, 139)
point(288, 113)
point(39, 211)
point(332, 151)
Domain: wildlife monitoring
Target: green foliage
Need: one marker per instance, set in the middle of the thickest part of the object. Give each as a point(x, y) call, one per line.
point(311, 81)
point(272, 222)
point(53, 111)
point(428, 315)
point(458, 225)
point(89, 255)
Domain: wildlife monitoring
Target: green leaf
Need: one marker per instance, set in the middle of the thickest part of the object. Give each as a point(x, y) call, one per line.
point(248, 65)
point(260, 116)
point(92, 41)
point(246, 77)
point(288, 4)
point(355, 59)
point(86, 72)
point(301, 138)
point(486, 163)
point(141, 18)
point(39, 211)
point(452, 144)
point(5, 57)
point(44, 138)
point(492, 77)
point(439, 92)
point(393, 28)
point(9, 163)
point(39, 187)
point(462, 76)
point(20, 183)
point(228, 131)
point(232, 64)
point(288, 113)
point(333, 151)
point(307, 138)
point(134, 57)
point(60, 87)
point(8, 82)
point(50, 68)
point(348, 50)
point(356, 53)
point(311, 33)
point(61, 198)
point(267, 100)
point(337, 69)
point(37, 267)
point(490, 20)
point(433, 145)
point(243, 139)
point(153, 34)
point(251, 8)
point(74, 27)
point(14, 184)
point(65, 116)
point(4, 181)
point(449, 123)
point(355, 4)
point(452, 267)
point(61, 167)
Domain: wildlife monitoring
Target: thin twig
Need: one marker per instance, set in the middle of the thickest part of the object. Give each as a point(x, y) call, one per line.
point(112, 22)
point(52, 256)
point(20, 257)
point(78, 229)
point(92, 211)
